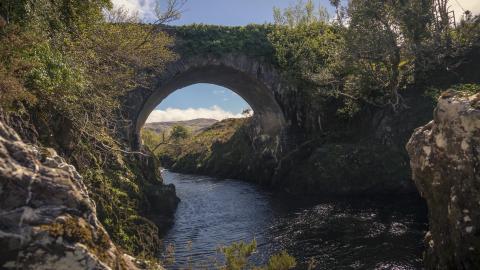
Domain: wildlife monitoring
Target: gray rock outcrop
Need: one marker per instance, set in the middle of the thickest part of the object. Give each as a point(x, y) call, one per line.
point(47, 220)
point(445, 162)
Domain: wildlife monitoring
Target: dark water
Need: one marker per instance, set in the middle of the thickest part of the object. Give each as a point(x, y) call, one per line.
point(356, 233)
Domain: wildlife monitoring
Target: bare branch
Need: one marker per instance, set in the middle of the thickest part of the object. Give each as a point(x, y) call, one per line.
point(172, 13)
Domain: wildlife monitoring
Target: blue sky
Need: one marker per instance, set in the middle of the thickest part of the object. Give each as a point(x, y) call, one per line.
point(208, 95)
point(233, 12)
point(199, 100)
point(223, 12)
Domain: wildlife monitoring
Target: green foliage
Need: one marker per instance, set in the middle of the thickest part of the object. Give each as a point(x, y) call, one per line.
point(386, 46)
point(151, 139)
point(52, 76)
point(179, 133)
point(301, 13)
point(54, 16)
point(12, 68)
point(305, 50)
point(462, 89)
point(118, 184)
point(197, 150)
point(200, 39)
point(281, 261)
point(67, 67)
point(373, 55)
point(467, 32)
point(237, 257)
point(63, 58)
point(237, 254)
point(467, 89)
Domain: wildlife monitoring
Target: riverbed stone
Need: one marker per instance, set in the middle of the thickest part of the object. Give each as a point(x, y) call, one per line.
point(445, 162)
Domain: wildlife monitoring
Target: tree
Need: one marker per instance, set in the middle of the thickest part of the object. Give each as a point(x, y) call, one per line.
point(340, 11)
point(179, 133)
point(373, 52)
point(247, 112)
point(300, 14)
point(383, 44)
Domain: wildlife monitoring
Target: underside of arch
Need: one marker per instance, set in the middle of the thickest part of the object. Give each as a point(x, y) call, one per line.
point(267, 111)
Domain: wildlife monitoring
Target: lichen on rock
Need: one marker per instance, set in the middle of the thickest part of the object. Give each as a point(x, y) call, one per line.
point(47, 220)
point(445, 162)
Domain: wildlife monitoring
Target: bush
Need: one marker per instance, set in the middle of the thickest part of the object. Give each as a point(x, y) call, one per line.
point(463, 89)
point(237, 257)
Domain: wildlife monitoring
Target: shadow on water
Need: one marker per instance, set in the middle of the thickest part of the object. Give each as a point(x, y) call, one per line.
point(345, 233)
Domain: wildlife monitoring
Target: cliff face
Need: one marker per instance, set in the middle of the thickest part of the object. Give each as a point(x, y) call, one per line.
point(47, 219)
point(445, 162)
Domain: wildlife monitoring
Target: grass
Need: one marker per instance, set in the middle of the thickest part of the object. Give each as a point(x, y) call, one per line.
point(196, 150)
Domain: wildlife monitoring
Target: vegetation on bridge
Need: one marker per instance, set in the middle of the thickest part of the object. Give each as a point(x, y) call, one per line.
point(200, 39)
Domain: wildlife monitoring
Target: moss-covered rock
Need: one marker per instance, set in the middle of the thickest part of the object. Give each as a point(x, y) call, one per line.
point(344, 169)
point(116, 180)
point(445, 162)
point(48, 220)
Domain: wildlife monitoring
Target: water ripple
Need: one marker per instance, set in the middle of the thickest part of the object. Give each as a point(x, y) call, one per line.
point(343, 234)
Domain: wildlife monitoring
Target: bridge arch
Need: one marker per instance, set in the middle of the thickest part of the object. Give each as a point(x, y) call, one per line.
point(255, 82)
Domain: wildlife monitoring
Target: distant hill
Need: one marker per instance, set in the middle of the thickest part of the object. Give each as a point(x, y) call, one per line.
point(194, 125)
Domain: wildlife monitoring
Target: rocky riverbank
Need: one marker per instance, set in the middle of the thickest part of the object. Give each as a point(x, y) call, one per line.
point(445, 161)
point(48, 220)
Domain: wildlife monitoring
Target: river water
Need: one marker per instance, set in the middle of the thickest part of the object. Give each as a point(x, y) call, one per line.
point(358, 233)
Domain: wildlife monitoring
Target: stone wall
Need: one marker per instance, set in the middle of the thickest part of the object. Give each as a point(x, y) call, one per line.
point(445, 162)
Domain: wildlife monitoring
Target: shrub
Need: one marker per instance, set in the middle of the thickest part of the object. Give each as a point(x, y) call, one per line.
point(237, 257)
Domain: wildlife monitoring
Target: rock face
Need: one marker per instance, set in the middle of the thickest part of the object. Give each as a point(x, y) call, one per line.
point(344, 169)
point(445, 162)
point(47, 220)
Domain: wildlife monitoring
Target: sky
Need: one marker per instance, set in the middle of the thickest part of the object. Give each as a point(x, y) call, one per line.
point(211, 101)
point(199, 101)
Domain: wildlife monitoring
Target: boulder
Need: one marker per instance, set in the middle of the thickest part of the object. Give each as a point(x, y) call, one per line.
point(445, 162)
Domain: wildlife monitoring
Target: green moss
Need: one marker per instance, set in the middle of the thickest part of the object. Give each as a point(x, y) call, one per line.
point(77, 230)
point(457, 89)
point(117, 184)
point(199, 39)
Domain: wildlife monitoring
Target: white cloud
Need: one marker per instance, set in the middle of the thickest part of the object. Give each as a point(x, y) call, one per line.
point(219, 92)
point(472, 5)
point(173, 114)
point(145, 8)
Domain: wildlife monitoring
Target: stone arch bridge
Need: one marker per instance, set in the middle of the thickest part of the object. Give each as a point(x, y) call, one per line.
point(252, 78)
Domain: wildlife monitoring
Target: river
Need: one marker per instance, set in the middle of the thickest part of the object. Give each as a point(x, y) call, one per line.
point(353, 233)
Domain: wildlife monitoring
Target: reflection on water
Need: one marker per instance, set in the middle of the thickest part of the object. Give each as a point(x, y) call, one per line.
point(356, 233)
